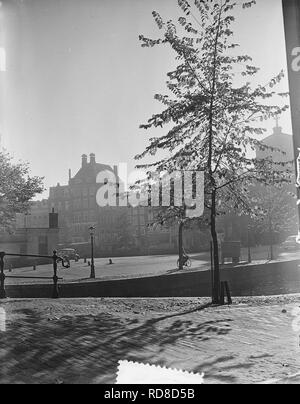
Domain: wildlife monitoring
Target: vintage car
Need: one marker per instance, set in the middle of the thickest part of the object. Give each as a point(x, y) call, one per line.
point(71, 253)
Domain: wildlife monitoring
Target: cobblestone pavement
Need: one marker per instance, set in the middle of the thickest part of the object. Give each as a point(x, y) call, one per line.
point(82, 340)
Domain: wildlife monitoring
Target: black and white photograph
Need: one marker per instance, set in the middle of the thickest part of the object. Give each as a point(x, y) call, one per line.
point(149, 194)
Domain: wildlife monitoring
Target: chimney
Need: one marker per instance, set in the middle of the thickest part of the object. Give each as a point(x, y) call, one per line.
point(278, 129)
point(84, 160)
point(92, 158)
point(70, 174)
point(53, 220)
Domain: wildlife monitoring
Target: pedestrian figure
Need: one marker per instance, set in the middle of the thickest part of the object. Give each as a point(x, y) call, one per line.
point(66, 262)
point(110, 262)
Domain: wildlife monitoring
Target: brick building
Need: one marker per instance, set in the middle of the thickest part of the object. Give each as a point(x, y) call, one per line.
point(118, 230)
point(78, 209)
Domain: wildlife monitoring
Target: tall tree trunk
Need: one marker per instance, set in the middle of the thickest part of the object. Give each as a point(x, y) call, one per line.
point(180, 244)
point(214, 237)
point(271, 240)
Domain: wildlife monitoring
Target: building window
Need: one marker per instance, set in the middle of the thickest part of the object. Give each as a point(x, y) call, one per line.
point(78, 204)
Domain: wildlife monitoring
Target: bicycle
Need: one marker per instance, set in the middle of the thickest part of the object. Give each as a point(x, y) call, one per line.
point(187, 263)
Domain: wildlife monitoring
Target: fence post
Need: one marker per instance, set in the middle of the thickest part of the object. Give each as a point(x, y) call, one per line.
point(55, 294)
point(222, 297)
point(2, 276)
point(229, 299)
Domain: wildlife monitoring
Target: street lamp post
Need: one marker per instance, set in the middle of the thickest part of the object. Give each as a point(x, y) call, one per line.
point(92, 276)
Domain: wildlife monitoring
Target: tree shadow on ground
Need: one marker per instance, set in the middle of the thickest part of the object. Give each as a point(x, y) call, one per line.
point(86, 349)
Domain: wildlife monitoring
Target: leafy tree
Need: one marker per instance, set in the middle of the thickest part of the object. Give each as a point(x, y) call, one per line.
point(177, 215)
point(169, 217)
point(275, 212)
point(213, 116)
point(17, 188)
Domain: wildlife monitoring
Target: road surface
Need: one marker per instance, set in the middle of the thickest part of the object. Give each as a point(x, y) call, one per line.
point(126, 267)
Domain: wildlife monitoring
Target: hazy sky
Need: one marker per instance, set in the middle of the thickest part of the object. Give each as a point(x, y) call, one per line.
point(77, 80)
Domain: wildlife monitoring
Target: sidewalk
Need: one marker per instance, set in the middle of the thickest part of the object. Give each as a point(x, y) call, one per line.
point(81, 340)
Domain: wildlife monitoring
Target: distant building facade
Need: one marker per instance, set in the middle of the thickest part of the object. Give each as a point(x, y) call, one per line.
point(279, 149)
point(277, 140)
point(36, 218)
point(118, 230)
point(40, 240)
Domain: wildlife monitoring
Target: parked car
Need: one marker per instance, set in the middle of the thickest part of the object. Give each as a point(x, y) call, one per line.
point(68, 252)
point(290, 244)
